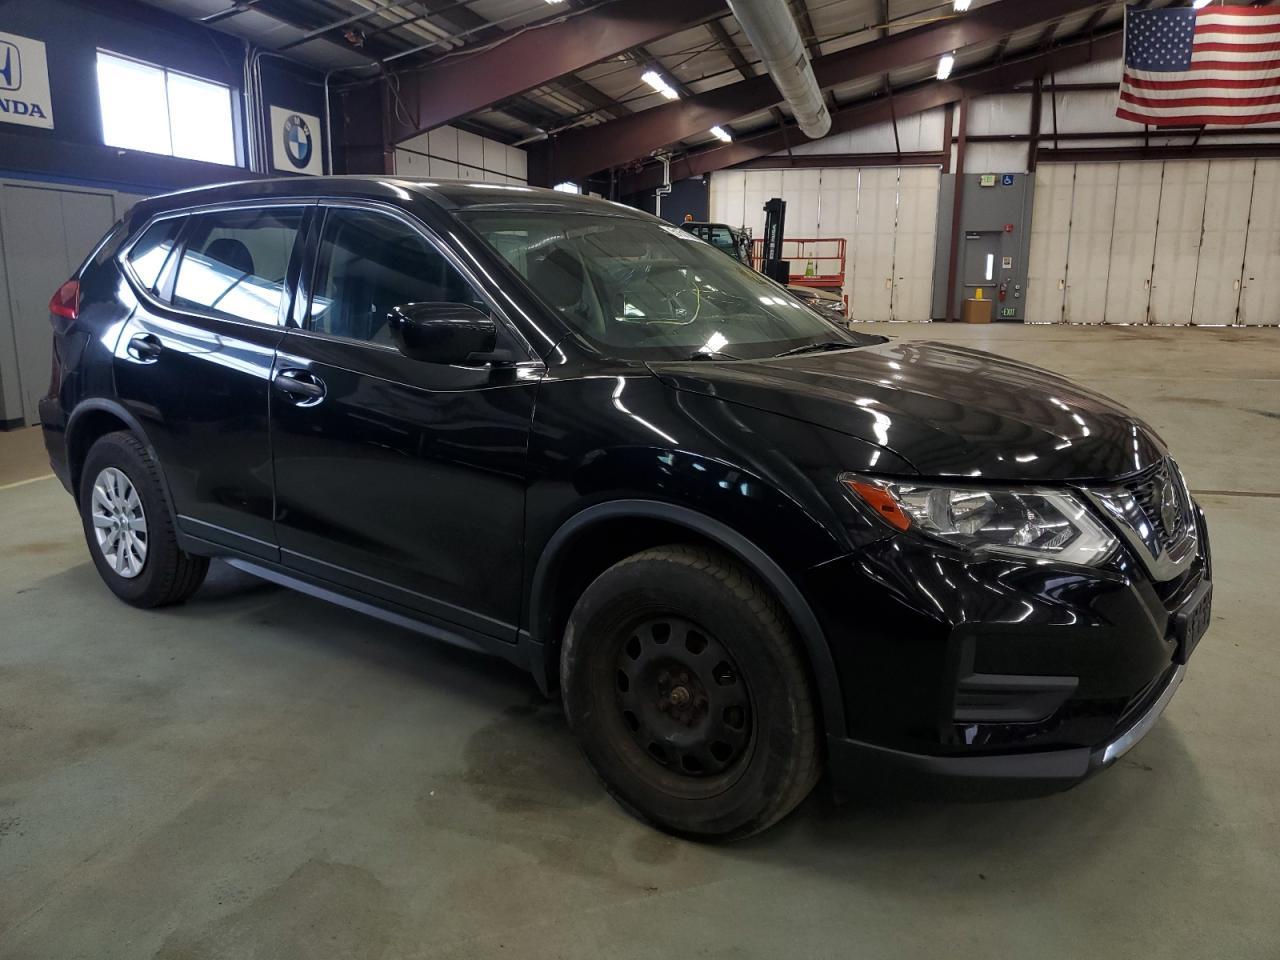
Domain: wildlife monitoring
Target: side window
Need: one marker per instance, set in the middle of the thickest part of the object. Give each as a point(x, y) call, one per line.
point(368, 263)
point(148, 256)
point(234, 262)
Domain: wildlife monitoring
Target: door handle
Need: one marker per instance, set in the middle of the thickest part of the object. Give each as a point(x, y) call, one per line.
point(301, 386)
point(145, 347)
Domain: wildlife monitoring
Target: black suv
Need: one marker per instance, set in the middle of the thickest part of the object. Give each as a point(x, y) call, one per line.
point(743, 545)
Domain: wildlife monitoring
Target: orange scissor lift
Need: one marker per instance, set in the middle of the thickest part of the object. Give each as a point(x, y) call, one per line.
point(815, 261)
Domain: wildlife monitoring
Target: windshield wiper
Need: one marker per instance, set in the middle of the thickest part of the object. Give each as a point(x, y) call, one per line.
point(820, 346)
point(710, 355)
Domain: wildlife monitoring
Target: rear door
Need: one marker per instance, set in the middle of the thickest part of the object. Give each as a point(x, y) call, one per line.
point(397, 477)
point(193, 363)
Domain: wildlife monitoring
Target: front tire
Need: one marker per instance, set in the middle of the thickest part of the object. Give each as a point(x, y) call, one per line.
point(129, 528)
point(687, 691)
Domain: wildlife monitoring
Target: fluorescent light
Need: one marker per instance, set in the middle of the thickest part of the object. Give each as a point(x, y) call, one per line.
point(567, 187)
point(659, 83)
point(720, 134)
point(1197, 4)
point(959, 6)
point(945, 63)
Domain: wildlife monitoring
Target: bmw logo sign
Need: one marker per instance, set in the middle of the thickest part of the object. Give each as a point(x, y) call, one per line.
point(297, 141)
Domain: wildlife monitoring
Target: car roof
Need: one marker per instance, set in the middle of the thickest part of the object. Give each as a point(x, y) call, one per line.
point(448, 194)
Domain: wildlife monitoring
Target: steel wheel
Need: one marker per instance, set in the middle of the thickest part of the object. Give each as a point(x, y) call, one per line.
point(119, 523)
point(682, 697)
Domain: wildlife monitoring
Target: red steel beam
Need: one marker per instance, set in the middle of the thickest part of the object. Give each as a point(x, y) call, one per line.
point(923, 96)
point(576, 153)
point(463, 84)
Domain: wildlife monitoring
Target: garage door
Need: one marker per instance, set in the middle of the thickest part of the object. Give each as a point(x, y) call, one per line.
point(887, 216)
point(1172, 243)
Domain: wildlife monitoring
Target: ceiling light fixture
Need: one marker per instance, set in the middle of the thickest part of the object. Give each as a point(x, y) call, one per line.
point(659, 83)
point(945, 63)
point(1197, 4)
point(959, 6)
point(721, 134)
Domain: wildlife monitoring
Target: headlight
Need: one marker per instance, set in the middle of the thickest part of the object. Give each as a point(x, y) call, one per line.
point(1047, 524)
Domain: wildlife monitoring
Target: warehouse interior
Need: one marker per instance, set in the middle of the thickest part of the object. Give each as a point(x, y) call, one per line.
point(258, 773)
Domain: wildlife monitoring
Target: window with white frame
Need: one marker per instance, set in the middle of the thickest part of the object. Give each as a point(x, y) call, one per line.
point(145, 107)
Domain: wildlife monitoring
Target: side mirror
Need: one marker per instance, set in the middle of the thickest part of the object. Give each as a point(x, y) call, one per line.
point(442, 332)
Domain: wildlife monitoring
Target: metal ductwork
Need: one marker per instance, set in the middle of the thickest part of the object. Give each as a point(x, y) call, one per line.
point(772, 30)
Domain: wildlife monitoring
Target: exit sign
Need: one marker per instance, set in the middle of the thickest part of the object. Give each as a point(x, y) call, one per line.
point(1008, 311)
point(986, 179)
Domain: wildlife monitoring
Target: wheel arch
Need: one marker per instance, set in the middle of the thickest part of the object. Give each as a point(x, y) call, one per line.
point(95, 418)
point(547, 611)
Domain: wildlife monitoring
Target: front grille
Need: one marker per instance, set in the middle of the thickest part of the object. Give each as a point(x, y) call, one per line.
point(1154, 512)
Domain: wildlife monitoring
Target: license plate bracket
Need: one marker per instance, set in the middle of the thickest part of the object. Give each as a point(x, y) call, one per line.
point(1192, 620)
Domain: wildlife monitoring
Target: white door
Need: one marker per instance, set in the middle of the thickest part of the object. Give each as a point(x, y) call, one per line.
point(1093, 208)
point(1177, 254)
point(872, 252)
point(800, 190)
point(838, 197)
point(1133, 242)
point(1222, 243)
point(1260, 296)
point(761, 186)
point(728, 197)
point(1050, 240)
point(913, 243)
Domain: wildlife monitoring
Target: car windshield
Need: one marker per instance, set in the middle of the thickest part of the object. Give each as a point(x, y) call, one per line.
point(640, 289)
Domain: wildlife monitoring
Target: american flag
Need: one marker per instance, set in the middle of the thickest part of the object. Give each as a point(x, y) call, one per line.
point(1185, 67)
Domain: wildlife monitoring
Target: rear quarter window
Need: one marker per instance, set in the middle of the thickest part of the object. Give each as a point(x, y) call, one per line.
point(149, 254)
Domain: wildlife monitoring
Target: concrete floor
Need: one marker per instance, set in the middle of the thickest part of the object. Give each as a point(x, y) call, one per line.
point(258, 774)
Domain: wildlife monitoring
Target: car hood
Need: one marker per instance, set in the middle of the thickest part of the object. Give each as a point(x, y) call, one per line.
point(946, 410)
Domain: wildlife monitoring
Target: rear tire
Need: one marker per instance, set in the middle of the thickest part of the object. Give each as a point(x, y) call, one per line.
point(689, 694)
point(128, 526)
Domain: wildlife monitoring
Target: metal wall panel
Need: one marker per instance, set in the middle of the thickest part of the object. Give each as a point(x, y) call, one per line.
point(1093, 208)
point(1182, 202)
point(1260, 296)
point(1221, 264)
point(914, 242)
point(48, 231)
point(1050, 243)
point(871, 248)
point(800, 188)
point(1133, 242)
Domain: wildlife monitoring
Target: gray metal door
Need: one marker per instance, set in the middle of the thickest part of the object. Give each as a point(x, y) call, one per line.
point(981, 264)
point(47, 232)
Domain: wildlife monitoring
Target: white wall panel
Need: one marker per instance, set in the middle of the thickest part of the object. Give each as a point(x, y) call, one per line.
point(1260, 298)
point(1092, 219)
point(761, 185)
point(1133, 242)
point(1050, 241)
point(442, 142)
point(1226, 211)
point(914, 242)
point(995, 157)
point(1173, 283)
point(1001, 113)
point(871, 250)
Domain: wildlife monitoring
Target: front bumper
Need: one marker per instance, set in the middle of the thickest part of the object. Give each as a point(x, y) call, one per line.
point(855, 766)
point(994, 671)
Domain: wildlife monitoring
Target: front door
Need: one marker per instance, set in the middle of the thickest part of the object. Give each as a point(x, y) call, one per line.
point(193, 363)
point(397, 477)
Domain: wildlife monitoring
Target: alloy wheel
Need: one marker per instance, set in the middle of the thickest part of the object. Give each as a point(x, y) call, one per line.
point(119, 523)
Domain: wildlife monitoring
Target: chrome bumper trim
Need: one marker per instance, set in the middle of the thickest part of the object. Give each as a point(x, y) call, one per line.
point(1122, 744)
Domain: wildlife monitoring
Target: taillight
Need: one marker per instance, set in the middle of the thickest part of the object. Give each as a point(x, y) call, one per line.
point(66, 301)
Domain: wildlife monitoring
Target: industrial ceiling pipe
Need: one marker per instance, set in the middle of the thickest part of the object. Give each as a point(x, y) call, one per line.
point(772, 30)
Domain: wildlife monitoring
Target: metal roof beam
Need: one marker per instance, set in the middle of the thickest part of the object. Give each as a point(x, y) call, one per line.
point(536, 55)
point(923, 96)
point(579, 152)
